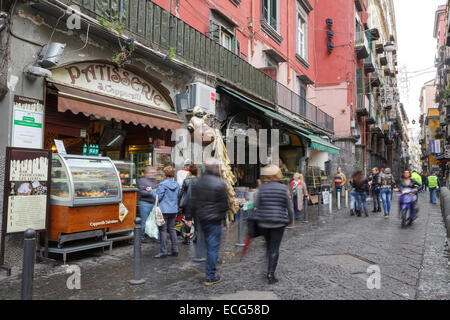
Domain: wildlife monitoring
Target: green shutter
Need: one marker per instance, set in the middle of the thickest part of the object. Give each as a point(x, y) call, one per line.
point(214, 31)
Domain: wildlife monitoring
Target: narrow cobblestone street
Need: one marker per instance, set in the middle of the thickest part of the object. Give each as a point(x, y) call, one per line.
point(324, 259)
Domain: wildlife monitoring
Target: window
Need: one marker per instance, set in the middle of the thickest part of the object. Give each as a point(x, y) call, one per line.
point(302, 34)
point(302, 100)
point(222, 34)
point(226, 40)
point(270, 12)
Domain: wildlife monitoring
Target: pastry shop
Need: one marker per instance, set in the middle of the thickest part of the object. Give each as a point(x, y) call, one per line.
point(112, 122)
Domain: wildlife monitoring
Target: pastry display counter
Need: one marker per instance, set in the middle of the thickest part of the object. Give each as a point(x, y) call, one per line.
point(86, 195)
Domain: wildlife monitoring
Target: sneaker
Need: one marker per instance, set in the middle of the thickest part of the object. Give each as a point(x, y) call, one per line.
point(160, 255)
point(210, 282)
point(173, 254)
point(145, 240)
point(199, 259)
point(386, 215)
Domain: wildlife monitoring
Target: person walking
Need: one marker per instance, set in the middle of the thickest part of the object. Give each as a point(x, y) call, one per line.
point(185, 199)
point(298, 192)
point(386, 185)
point(375, 189)
point(183, 173)
point(339, 182)
point(185, 194)
point(361, 184)
point(353, 198)
point(167, 193)
point(274, 212)
point(433, 186)
point(209, 206)
point(146, 185)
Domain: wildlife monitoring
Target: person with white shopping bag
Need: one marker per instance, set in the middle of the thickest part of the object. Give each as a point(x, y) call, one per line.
point(167, 197)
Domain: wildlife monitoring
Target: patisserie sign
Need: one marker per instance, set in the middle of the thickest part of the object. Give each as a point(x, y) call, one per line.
point(112, 81)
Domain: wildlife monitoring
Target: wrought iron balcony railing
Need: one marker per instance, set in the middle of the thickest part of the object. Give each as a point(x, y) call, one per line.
point(169, 33)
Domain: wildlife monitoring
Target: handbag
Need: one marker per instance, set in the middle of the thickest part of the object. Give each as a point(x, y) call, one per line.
point(158, 214)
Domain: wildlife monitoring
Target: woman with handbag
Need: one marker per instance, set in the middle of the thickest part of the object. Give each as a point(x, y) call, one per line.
point(375, 188)
point(167, 196)
point(298, 193)
point(273, 213)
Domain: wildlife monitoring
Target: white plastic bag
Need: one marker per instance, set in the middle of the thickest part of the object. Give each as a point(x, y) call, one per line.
point(151, 228)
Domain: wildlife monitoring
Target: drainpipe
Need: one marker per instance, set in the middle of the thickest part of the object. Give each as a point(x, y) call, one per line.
point(288, 46)
point(252, 35)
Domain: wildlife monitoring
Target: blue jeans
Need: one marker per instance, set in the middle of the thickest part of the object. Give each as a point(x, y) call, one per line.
point(352, 199)
point(433, 193)
point(144, 211)
point(361, 201)
point(213, 236)
point(386, 199)
point(200, 246)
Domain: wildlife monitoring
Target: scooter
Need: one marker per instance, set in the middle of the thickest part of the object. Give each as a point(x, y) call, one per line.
point(407, 202)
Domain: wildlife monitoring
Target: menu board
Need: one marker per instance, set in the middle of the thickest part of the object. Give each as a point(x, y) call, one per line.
point(28, 120)
point(26, 196)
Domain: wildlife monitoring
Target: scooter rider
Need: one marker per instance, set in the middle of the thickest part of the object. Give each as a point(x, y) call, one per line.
point(408, 182)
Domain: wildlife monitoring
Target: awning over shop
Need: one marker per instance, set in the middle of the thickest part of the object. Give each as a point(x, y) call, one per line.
point(88, 103)
point(320, 144)
point(267, 112)
point(316, 142)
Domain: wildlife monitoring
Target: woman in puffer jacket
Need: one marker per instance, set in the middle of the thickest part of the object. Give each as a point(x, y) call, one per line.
point(387, 184)
point(274, 212)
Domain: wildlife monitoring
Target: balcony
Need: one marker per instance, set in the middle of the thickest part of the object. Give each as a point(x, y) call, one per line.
point(362, 49)
point(362, 103)
point(383, 60)
point(372, 116)
point(156, 28)
point(369, 64)
point(296, 104)
point(379, 48)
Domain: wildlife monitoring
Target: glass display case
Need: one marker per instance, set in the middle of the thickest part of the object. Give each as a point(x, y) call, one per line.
point(163, 158)
point(127, 173)
point(84, 181)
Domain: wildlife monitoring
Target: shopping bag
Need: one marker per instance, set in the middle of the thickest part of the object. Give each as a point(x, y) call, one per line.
point(151, 228)
point(158, 214)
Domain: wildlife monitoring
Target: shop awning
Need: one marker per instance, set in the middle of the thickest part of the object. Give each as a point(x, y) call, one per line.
point(88, 103)
point(267, 112)
point(316, 142)
point(320, 144)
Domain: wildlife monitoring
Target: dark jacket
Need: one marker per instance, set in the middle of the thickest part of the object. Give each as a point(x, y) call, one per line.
point(185, 196)
point(209, 201)
point(364, 187)
point(272, 203)
point(145, 195)
point(167, 192)
point(375, 186)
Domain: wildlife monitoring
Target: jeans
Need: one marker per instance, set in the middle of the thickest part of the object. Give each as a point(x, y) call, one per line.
point(376, 200)
point(199, 245)
point(273, 237)
point(353, 196)
point(386, 199)
point(361, 201)
point(170, 226)
point(338, 189)
point(213, 237)
point(144, 211)
point(433, 193)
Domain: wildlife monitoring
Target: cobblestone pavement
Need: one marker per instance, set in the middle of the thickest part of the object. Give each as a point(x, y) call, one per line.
point(326, 258)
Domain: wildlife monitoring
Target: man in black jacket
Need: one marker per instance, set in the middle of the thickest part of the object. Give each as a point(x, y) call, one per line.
point(209, 204)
